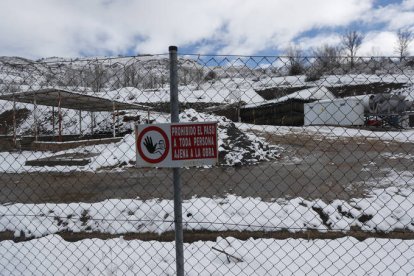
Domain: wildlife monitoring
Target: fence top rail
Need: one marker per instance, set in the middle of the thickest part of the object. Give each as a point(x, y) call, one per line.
point(305, 56)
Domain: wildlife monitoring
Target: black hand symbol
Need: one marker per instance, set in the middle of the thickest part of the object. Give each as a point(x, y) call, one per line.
point(149, 145)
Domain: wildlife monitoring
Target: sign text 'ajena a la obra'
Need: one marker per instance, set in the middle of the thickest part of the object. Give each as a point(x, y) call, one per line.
point(176, 145)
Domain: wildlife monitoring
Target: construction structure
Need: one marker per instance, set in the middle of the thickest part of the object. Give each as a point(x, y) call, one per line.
point(285, 110)
point(62, 98)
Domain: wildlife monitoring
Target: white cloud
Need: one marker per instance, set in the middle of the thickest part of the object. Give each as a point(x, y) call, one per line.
point(381, 44)
point(408, 4)
point(395, 16)
point(378, 43)
point(308, 43)
point(97, 27)
point(266, 23)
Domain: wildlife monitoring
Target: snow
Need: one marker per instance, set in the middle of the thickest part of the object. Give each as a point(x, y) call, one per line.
point(313, 93)
point(107, 155)
point(233, 89)
point(355, 79)
point(239, 148)
point(383, 210)
point(388, 206)
point(388, 177)
point(333, 80)
point(221, 91)
point(70, 120)
point(52, 255)
point(242, 148)
point(332, 132)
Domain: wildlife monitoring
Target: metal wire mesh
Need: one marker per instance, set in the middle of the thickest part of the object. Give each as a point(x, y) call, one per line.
point(314, 175)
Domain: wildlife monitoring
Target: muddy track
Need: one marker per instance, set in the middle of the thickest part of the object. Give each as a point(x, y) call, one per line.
point(193, 236)
point(310, 167)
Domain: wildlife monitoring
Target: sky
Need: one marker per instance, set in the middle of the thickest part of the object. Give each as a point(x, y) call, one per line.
point(79, 28)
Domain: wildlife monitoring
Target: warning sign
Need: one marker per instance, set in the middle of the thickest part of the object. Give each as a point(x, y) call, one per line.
point(195, 141)
point(177, 145)
point(154, 144)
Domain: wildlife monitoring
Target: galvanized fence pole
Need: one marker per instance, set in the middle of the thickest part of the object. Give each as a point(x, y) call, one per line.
point(178, 216)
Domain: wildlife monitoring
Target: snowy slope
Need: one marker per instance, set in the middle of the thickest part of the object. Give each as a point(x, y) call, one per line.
point(383, 210)
point(331, 132)
point(346, 256)
point(313, 93)
point(233, 147)
point(109, 72)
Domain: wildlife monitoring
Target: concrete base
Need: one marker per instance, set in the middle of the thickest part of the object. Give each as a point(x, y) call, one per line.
point(58, 146)
point(67, 159)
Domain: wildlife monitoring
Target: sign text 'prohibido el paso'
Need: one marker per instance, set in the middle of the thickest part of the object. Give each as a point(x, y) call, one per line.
point(177, 145)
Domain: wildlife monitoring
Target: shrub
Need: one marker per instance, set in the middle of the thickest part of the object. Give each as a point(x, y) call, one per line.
point(211, 75)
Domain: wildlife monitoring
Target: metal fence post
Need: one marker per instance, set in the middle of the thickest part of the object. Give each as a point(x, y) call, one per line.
point(178, 216)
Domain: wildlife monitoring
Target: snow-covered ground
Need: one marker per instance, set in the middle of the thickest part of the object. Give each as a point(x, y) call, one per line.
point(256, 149)
point(226, 90)
point(238, 148)
point(332, 132)
point(122, 152)
point(223, 91)
point(383, 210)
point(52, 255)
point(387, 207)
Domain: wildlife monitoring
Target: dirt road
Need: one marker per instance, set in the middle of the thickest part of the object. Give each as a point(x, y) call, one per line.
point(310, 167)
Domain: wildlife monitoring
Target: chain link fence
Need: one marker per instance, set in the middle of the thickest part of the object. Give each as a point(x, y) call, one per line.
point(315, 169)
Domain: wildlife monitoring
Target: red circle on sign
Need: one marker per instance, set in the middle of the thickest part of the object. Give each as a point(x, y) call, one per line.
point(167, 144)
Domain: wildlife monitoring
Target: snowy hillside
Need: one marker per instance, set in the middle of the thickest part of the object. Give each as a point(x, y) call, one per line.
point(97, 74)
point(152, 72)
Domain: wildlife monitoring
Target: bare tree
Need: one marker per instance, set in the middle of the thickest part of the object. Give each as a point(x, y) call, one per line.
point(295, 60)
point(327, 57)
point(131, 76)
point(96, 77)
point(351, 41)
point(404, 38)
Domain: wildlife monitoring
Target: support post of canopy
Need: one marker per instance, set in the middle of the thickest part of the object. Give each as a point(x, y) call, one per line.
point(60, 118)
point(80, 122)
point(113, 119)
point(35, 116)
point(53, 122)
point(117, 118)
point(14, 122)
point(92, 122)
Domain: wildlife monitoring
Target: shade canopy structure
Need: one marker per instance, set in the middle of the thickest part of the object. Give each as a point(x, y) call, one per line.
point(62, 98)
point(69, 99)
